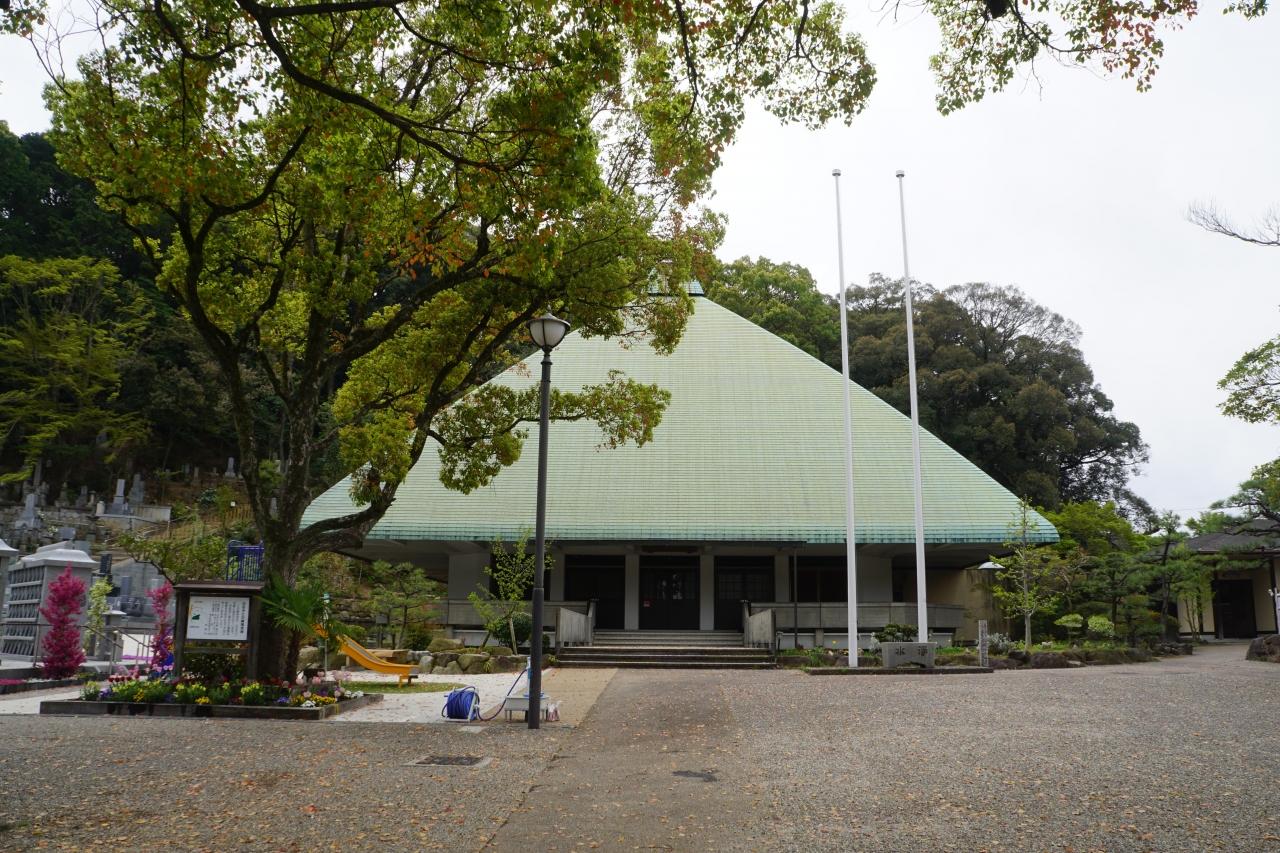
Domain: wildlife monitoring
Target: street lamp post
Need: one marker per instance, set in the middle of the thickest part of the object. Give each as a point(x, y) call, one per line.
point(547, 332)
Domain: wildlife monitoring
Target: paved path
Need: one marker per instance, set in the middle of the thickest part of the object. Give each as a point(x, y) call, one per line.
point(1179, 755)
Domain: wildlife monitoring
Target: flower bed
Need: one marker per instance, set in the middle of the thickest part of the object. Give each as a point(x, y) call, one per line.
point(160, 697)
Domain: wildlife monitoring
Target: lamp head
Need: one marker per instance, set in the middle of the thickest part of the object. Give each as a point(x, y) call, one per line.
point(900, 173)
point(548, 331)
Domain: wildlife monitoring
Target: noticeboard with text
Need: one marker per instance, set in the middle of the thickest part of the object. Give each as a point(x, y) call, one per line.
point(216, 617)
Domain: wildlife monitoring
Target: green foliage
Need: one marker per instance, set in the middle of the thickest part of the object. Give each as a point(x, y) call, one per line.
point(1259, 496)
point(894, 633)
point(203, 556)
point(784, 299)
point(66, 325)
point(301, 610)
point(210, 667)
point(96, 615)
point(1253, 385)
point(1101, 628)
point(1024, 580)
point(406, 595)
point(503, 601)
point(515, 628)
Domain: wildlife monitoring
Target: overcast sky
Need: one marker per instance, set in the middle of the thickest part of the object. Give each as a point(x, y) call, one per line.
point(1074, 189)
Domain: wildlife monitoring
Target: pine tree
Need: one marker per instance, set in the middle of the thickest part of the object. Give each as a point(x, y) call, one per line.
point(62, 651)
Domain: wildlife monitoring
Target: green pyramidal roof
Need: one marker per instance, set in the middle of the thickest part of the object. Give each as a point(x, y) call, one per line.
point(749, 450)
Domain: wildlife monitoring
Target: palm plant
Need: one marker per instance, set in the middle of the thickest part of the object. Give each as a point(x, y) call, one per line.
point(303, 611)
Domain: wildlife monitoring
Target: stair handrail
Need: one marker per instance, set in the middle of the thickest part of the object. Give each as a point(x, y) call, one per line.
point(591, 622)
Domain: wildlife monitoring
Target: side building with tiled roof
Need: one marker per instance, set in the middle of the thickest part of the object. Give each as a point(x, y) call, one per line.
point(740, 496)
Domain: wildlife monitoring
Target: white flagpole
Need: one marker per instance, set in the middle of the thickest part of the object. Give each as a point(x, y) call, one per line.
point(922, 608)
point(850, 547)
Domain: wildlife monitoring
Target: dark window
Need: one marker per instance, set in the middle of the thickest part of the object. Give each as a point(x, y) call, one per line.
point(822, 578)
point(904, 584)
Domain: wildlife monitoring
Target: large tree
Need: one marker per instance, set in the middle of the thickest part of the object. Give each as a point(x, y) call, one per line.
point(1003, 381)
point(377, 256)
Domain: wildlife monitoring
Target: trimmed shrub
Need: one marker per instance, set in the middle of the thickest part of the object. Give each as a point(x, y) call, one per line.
point(894, 633)
point(63, 652)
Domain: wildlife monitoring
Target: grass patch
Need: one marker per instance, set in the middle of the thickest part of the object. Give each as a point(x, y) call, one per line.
point(393, 687)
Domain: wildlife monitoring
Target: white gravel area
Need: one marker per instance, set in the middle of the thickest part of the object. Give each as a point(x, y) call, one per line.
point(29, 702)
point(426, 707)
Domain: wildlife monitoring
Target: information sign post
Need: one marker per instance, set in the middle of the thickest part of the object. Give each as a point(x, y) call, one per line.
point(217, 612)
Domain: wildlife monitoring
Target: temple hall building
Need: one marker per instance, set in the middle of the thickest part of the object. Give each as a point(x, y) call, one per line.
point(736, 507)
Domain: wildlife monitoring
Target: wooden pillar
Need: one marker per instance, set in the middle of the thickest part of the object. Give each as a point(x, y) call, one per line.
point(181, 602)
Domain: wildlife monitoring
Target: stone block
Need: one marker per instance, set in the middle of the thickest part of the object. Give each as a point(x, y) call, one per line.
point(1049, 660)
point(453, 668)
point(1264, 649)
point(472, 662)
point(908, 654)
point(425, 662)
point(444, 644)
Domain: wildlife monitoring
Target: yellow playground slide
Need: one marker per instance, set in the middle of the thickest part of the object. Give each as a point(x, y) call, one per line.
point(359, 654)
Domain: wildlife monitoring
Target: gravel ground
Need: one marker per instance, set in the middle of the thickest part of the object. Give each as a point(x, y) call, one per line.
point(426, 707)
point(1170, 756)
point(1176, 755)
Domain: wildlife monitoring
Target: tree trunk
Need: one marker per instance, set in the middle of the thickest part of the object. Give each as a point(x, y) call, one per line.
point(277, 648)
point(1026, 631)
point(1164, 608)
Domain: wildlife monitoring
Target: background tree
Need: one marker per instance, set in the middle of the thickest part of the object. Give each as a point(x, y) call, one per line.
point(1002, 380)
point(784, 299)
point(504, 599)
point(1253, 385)
point(1167, 566)
point(65, 327)
point(1024, 581)
point(1258, 498)
point(96, 618)
point(1112, 551)
point(404, 593)
point(167, 380)
point(1266, 232)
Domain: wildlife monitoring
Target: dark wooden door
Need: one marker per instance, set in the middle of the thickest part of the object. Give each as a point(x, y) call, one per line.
point(669, 592)
point(738, 579)
point(1233, 613)
point(602, 577)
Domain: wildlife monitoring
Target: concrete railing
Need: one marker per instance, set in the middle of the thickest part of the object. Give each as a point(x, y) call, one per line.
point(759, 629)
point(834, 616)
point(574, 628)
point(459, 612)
